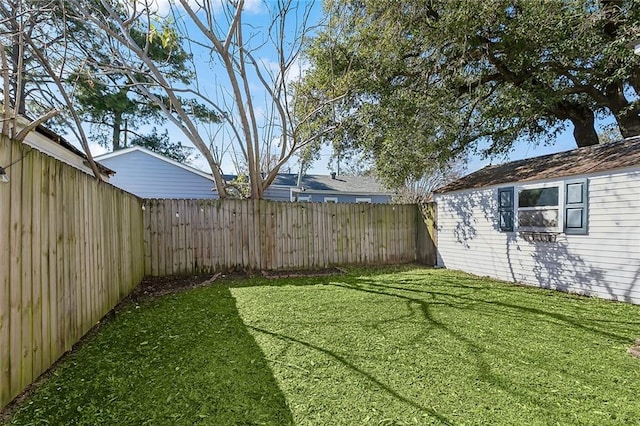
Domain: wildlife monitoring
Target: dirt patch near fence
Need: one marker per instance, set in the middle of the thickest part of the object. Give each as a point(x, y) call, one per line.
point(635, 349)
point(152, 287)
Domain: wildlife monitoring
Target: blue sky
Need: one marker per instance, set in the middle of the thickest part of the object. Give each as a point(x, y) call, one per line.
point(210, 77)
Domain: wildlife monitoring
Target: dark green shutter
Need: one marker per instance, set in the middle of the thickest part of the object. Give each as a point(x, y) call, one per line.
point(505, 209)
point(575, 207)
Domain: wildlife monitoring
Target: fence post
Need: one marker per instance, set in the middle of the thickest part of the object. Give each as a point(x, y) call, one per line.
point(427, 238)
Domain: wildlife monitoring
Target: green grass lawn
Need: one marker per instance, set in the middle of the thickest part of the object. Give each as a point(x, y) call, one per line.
point(403, 345)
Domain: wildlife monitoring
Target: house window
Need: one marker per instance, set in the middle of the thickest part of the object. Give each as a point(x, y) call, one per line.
point(305, 199)
point(544, 208)
point(330, 199)
point(363, 200)
point(538, 209)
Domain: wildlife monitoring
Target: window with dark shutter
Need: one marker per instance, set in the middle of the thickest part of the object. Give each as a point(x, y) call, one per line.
point(505, 209)
point(575, 207)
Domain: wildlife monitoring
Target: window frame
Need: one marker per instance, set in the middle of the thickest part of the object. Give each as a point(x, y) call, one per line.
point(557, 207)
point(363, 200)
point(563, 207)
point(330, 200)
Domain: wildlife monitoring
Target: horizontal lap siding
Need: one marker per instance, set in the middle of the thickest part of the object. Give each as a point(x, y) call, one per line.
point(70, 249)
point(604, 263)
point(149, 177)
point(274, 193)
point(319, 197)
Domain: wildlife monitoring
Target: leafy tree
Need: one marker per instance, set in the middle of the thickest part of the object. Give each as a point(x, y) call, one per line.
point(420, 190)
point(424, 82)
point(237, 52)
point(160, 143)
point(110, 98)
point(36, 57)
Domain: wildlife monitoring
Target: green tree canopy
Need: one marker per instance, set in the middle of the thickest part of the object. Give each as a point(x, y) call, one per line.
point(162, 144)
point(114, 97)
point(424, 82)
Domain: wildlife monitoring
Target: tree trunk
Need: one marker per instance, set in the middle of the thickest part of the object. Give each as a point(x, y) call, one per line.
point(18, 92)
point(17, 68)
point(629, 123)
point(115, 138)
point(583, 120)
point(627, 117)
point(584, 131)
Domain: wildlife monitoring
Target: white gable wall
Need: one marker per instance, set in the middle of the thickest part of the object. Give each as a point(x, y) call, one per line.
point(605, 263)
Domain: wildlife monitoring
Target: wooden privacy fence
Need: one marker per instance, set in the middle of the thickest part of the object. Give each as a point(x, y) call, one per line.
point(195, 236)
point(70, 249)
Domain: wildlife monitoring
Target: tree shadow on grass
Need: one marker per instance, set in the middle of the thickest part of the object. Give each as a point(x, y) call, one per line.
point(353, 367)
point(478, 352)
point(181, 359)
point(596, 326)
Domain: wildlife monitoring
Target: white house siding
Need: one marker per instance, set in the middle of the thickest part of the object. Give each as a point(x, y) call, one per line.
point(277, 193)
point(605, 263)
point(319, 197)
point(150, 177)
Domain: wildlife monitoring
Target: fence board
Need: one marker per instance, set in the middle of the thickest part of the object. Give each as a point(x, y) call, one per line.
point(70, 248)
point(250, 234)
point(36, 275)
point(15, 239)
point(43, 252)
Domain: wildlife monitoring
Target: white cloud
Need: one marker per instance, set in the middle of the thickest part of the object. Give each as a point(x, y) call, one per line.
point(165, 6)
point(254, 6)
point(297, 70)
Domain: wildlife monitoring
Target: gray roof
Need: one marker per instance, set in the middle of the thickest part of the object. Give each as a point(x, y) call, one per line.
point(360, 184)
point(355, 184)
point(580, 161)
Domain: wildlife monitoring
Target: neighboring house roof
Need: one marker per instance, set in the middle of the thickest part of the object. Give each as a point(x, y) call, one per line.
point(591, 159)
point(344, 184)
point(354, 184)
point(125, 151)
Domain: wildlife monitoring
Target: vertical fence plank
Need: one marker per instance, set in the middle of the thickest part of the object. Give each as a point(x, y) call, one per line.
point(45, 283)
point(6, 391)
point(61, 260)
point(146, 239)
point(15, 267)
point(278, 238)
point(158, 212)
point(167, 230)
point(27, 279)
point(36, 262)
point(52, 257)
point(208, 236)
